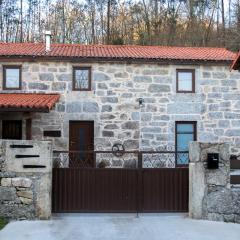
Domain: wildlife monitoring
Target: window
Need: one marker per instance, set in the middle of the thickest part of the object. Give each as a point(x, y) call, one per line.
point(185, 80)
point(82, 78)
point(185, 132)
point(11, 129)
point(11, 77)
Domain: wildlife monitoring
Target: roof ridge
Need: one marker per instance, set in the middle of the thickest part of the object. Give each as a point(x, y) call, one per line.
point(116, 46)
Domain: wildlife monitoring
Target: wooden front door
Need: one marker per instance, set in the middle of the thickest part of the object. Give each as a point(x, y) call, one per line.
point(12, 129)
point(81, 144)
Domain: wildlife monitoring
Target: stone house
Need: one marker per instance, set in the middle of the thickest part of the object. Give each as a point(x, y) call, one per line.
point(86, 97)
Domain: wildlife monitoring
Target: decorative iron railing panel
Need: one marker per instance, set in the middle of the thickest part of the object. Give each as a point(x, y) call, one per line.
point(127, 159)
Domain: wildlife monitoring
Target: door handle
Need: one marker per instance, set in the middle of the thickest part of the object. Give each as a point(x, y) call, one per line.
point(72, 142)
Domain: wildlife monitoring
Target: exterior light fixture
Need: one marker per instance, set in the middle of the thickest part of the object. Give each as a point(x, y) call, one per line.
point(140, 101)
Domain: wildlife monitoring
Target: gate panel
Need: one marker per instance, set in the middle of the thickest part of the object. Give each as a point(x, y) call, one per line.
point(136, 189)
point(165, 190)
point(94, 190)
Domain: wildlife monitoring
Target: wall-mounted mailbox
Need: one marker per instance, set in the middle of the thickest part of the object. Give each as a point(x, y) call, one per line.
point(213, 160)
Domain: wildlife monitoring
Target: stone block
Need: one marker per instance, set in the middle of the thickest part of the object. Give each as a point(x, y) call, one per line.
point(127, 95)
point(233, 132)
point(150, 108)
point(162, 79)
point(206, 74)
point(131, 144)
point(90, 107)
point(162, 137)
point(220, 202)
point(106, 108)
point(151, 130)
point(121, 75)
point(100, 77)
point(58, 86)
point(219, 75)
point(107, 116)
point(111, 93)
point(215, 115)
point(231, 96)
point(107, 133)
point(64, 77)
point(102, 86)
point(231, 115)
point(109, 100)
point(135, 116)
point(142, 79)
point(146, 116)
point(219, 177)
point(37, 86)
point(158, 88)
point(60, 107)
point(6, 182)
point(25, 194)
point(114, 85)
point(73, 107)
point(7, 193)
point(237, 105)
point(194, 152)
point(127, 107)
point(26, 201)
point(21, 182)
point(236, 123)
point(155, 71)
point(111, 126)
point(224, 123)
point(148, 136)
point(185, 108)
point(130, 125)
point(46, 76)
point(228, 82)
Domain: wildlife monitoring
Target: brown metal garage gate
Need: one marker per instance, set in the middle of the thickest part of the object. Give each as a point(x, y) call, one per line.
point(81, 188)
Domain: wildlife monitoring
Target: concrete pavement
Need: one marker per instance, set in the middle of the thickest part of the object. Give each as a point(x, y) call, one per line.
point(120, 227)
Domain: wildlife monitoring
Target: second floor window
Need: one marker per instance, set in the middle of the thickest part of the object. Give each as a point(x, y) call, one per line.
point(11, 77)
point(185, 80)
point(82, 78)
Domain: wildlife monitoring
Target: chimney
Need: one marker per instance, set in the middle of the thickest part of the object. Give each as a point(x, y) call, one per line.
point(48, 41)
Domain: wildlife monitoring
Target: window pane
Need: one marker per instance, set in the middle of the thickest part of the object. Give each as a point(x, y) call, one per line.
point(182, 158)
point(81, 79)
point(183, 140)
point(185, 81)
point(12, 78)
point(185, 127)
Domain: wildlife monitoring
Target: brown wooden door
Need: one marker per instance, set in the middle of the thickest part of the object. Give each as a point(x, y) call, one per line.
point(81, 143)
point(12, 129)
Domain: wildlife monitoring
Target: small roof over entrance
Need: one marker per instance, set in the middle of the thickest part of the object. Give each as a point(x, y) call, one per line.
point(27, 102)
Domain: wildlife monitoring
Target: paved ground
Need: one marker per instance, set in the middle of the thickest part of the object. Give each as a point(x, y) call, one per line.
point(120, 227)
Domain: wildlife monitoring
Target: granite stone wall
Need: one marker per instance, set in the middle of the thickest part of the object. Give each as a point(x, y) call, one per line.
point(113, 103)
point(211, 196)
point(25, 193)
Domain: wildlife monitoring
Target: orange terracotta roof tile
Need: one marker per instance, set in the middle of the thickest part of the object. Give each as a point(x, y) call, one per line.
point(32, 102)
point(117, 52)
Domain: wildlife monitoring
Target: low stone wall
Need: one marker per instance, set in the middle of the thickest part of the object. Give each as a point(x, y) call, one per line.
point(25, 182)
point(211, 196)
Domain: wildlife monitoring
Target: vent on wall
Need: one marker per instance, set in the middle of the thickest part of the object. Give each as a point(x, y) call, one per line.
point(52, 133)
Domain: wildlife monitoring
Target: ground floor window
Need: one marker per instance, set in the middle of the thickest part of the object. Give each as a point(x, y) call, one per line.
point(12, 129)
point(185, 132)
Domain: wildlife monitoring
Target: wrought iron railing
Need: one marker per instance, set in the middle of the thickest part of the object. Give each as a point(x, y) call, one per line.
point(127, 159)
